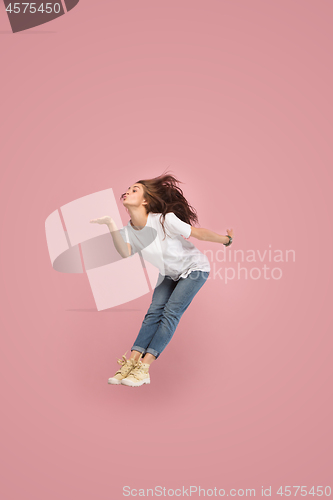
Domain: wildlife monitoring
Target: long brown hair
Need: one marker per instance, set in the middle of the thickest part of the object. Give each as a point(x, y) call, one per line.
point(163, 196)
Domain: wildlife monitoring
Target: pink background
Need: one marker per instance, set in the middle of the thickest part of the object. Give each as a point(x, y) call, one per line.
point(235, 99)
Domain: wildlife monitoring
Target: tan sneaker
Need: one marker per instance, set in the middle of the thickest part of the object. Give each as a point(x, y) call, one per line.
point(127, 366)
point(138, 376)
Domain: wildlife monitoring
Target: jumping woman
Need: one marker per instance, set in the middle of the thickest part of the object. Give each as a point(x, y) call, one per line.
point(160, 225)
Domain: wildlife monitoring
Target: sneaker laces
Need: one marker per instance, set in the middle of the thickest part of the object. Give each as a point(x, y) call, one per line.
point(139, 369)
point(126, 364)
point(123, 360)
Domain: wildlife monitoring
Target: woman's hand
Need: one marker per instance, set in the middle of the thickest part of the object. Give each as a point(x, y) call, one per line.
point(103, 220)
point(230, 232)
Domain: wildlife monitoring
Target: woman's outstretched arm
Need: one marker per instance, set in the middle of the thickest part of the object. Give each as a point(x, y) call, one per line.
point(122, 247)
point(206, 235)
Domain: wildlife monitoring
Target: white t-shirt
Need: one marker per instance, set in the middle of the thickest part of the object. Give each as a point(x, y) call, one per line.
point(171, 253)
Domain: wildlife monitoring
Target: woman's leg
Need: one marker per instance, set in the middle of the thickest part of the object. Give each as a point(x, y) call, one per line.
point(180, 299)
point(153, 316)
point(135, 355)
point(148, 358)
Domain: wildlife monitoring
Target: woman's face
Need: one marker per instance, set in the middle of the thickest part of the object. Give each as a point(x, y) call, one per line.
point(134, 196)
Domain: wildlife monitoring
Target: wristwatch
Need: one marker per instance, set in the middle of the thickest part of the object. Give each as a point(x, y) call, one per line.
point(229, 242)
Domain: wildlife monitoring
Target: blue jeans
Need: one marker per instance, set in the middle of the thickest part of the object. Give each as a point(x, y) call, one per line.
point(170, 300)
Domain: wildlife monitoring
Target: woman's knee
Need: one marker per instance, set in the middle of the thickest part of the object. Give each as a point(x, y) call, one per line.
point(154, 311)
point(172, 312)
